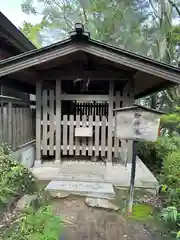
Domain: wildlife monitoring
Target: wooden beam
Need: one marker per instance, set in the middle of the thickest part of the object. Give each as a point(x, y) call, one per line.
point(24, 61)
point(58, 120)
point(100, 75)
point(6, 99)
point(17, 85)
point(133, 61)
point(38, 121)
point(110, 120)
point(84, 97)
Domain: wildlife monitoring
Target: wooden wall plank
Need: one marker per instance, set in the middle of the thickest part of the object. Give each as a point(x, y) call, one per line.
point(38, 120)
point(10, 124)
point(51, 119)
point(103, 136)
point(58, 119)
point(65, 121)
point(97, 136)
point(17, 127)
point(21, 126)
point(14, 129)
point(77, 139)
point(26, 125)
point(30, 131)
point(90, 139)
point(116, 140)
point(45, 93)
point(84, 119)
point(5, 129)
point(110, 120)
point(71, 135)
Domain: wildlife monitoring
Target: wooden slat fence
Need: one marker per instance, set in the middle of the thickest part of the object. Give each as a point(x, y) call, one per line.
point(85, 146)
point(17, 124)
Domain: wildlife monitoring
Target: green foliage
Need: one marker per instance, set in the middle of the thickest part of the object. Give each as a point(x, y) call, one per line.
point(15, 180)
point(171, 169)
point(33, 32)
point(171, 122)
point(154, 153)
point(178, 236)
point(38, 224)
point(4, 148)
point(121, 23)
point(170, 215)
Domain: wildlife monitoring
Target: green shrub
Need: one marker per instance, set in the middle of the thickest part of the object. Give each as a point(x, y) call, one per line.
point(15, 180)
point(171, 169)
point(170, 215)
point(154, 153)
point(38, 224)
point(171, 122)
point(4, 148)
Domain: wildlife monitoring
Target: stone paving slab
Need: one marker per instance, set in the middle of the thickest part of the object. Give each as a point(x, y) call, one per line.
point(100, 203)
point(91, 189)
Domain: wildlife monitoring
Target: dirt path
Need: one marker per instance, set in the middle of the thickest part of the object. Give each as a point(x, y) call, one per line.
point(85, 223)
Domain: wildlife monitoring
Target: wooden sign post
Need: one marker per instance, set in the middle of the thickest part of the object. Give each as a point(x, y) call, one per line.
point(136, 123)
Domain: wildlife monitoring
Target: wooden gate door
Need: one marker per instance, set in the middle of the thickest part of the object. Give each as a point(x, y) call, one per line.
point(85, 132)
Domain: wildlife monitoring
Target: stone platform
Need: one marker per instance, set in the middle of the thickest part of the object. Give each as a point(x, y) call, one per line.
point(118, 175)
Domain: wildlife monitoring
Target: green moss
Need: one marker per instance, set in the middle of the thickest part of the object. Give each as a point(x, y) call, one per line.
point(142, 211)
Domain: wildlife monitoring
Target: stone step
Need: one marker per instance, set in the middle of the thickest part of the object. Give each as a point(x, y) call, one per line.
point(82, 188)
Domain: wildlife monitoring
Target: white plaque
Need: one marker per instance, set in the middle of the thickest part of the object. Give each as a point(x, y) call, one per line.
point(83, 132)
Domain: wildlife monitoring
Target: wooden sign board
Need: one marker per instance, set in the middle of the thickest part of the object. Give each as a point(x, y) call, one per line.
point(141, 125)
point(83, 132)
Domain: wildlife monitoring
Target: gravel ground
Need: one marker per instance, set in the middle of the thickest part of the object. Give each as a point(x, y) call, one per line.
point(86, 223)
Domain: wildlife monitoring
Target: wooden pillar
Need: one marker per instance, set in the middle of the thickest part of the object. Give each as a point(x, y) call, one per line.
point(110, 120)
point(38, 120)
point(128, 99)
point(131, 101)
point(117, 105)
point(58, 120)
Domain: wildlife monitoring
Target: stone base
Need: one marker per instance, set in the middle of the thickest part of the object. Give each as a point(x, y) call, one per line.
point(81, 171)
point(37, 163)
point(97, 190)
